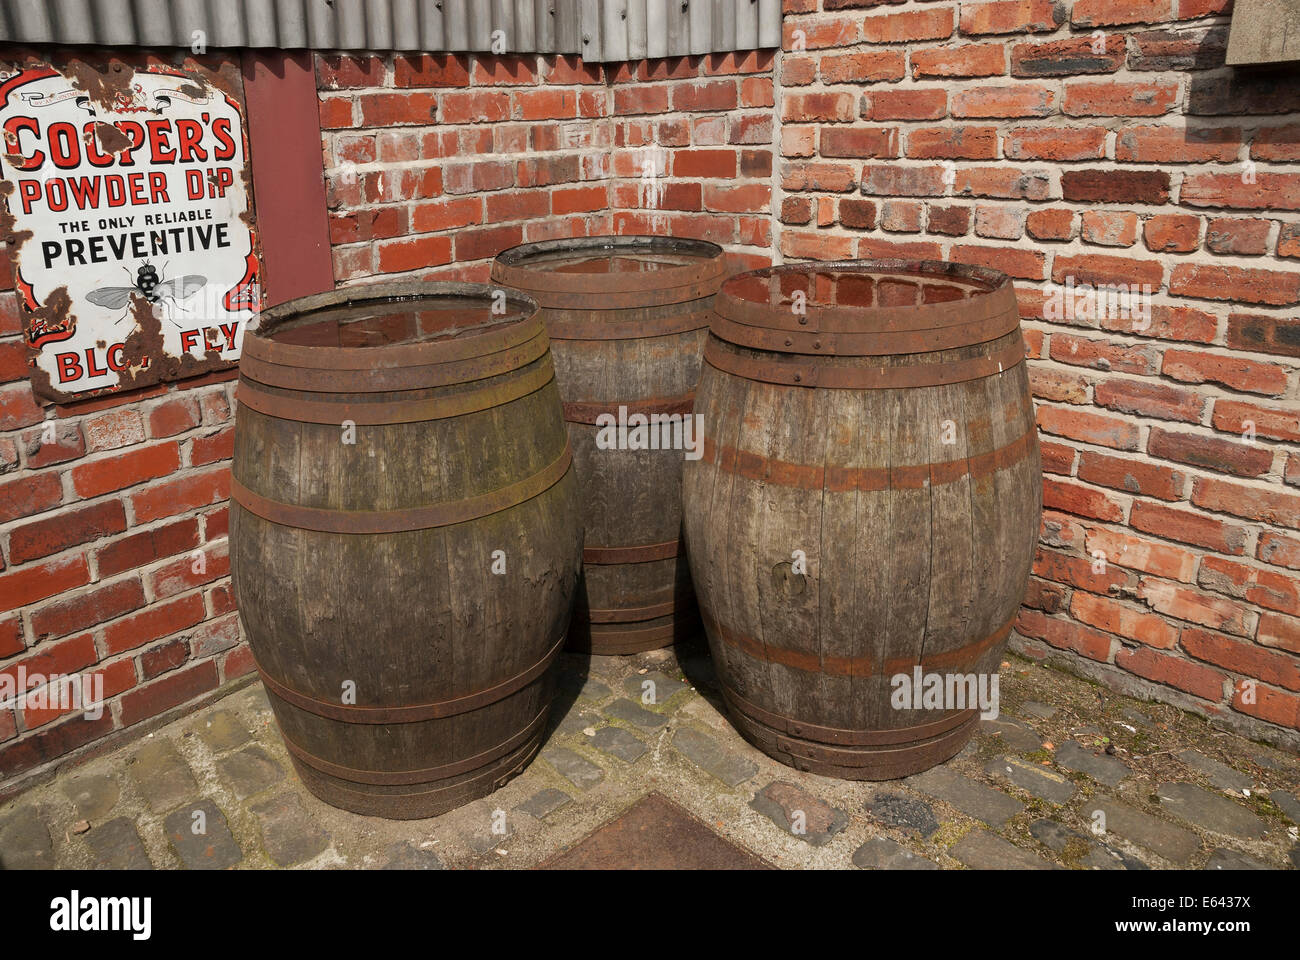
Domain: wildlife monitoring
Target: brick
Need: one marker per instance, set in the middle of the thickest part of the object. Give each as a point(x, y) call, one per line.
point(1170, 323)
point(1252, 285)
point(1276, 143)
point(907, 104)
point(348, 72)
point(749, 61)
point(926, 24)
point(1149, 399)
point(705, 95)
point(739, 198)
point(1045, 596)
point(896, 181)
point(417, 253)
point(1109, 228)
point(1181, 50)
point(29, 495)
point(1174, 671)
point(816, 247)
point(194, 489)
point(64, 657)
point(900, 216)
point(1055, 143)
point(1268, 704)
point(1280, 632)
point(171, 691)
point(1209, 452)
point(69, 615)
point(1172, 233)
point(1235, 416)
point(1011, 16)
point(818, 107)
point(1113, 617)
point(161, 659)
point(1065, 634)
point(1060, 530)
point(1119, 99)
point(174, 416)
point(190, 571)
point(1279, 550)
point(1115, 186)
point(1056, 224)
point(1177, 144)
point(68, 529)
point(66, 444)
point(1058, 385)
point(125, 470)
point(1288, 240)
point(859, 142)
point(1246, 237)
point(1238, 373)
point(393, 109)
point(1020, 100)
point(1013, 261)
point(18, 407)
point(1263, 587)
point(1104, 355)
point(964, 60)
point(952, 221)
point(1187, 527)
point(52, 742)
point(508, 70)
point(1132, 476)
point(1002, 183)
point(1264, 334)
point(1096, 268)
point(955, 143)
point(857, 214)
point(1080, 572)
point(1277, 191)
point(1114, 13)
point(146, 546)
point(874, 66)
point(1080, 500)
point(1159, 559)
point(1184, 603)
point(1063, 58)
point(430, 70)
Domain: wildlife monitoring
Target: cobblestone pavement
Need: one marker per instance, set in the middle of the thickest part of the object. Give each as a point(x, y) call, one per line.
point(1028, 792)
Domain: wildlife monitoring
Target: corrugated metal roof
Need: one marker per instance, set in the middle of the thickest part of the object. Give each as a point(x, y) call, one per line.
point(599, 30)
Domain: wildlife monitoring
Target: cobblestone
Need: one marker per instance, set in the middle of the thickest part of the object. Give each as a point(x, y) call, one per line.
point(1042, 783)
point(906, 813)
point(25, 841)
point(93, 794)
point(635, 713)
point(969, 796)
point(986, 851)
point(545, 802)
point(288, 834)
point(1220, 775)
point(1219, 814)
point(799, 813)
point(711, 757)
point(202, 843)
point(579, 771)
point(250, 771)
point(1173, 843)
point(881, 853)
point(162, 775)
point(116, 845)
point(617, 742)
point(1101, 767)
point(662, 687)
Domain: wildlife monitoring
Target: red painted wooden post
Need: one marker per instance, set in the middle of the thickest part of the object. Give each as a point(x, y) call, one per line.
point(288, 180)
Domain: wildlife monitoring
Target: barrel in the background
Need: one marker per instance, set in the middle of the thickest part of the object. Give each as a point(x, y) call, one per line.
point(627, 318)
point(405, 538)
point(867, 507)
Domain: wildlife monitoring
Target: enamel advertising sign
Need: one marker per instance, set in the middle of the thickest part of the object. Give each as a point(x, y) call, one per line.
point(128, 222)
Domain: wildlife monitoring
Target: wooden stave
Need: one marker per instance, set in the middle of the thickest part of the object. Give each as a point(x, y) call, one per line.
point(724, 397)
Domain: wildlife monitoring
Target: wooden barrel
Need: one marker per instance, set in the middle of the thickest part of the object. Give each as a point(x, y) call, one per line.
point(627, 318)
point(866, 508)
point(405, 538)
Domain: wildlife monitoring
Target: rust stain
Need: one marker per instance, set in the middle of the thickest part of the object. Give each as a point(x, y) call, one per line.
point(108, 84)
point(111, 139)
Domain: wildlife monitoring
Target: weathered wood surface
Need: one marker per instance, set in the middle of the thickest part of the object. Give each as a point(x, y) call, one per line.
point(917, 551)
point(609, 351)
point(415, 617)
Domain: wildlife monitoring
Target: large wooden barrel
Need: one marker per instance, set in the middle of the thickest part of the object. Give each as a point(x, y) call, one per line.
point(866, 508)
point(627, 318)
point(405, 538)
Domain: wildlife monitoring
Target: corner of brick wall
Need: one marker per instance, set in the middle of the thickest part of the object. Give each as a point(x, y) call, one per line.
point(1097, 141)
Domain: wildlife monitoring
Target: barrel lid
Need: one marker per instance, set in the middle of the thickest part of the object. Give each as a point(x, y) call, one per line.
point(608, 264)
point(393, 324)
point(865, 307)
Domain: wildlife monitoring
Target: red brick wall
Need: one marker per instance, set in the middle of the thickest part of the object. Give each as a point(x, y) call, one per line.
point(1099, 140)
point(437, 163)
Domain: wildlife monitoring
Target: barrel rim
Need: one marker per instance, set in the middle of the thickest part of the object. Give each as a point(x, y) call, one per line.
point(510, 265)
point(911, 325)
point(487, 339)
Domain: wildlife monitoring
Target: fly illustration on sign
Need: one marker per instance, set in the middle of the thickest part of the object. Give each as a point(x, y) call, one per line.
point(127, 215)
